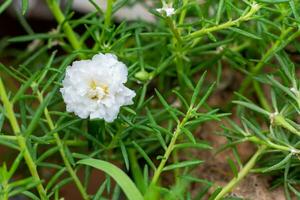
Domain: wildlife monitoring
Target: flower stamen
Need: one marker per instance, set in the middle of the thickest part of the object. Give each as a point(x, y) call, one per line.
point(97, 91)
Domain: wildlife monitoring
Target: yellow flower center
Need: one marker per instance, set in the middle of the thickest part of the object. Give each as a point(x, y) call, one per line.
point(97, 91)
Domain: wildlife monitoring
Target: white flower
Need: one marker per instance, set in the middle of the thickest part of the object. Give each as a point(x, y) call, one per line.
point(168, 10)
point(95, 88)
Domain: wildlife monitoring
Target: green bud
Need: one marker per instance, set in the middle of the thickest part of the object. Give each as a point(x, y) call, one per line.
point(142, 75)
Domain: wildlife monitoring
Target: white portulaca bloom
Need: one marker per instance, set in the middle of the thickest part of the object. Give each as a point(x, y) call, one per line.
point(167, 10)
point(95, 88)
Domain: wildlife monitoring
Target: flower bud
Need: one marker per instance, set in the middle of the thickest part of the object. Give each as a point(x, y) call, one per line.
point(142, 75)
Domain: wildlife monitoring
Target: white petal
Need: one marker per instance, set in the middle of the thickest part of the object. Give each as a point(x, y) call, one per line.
point(94, 88)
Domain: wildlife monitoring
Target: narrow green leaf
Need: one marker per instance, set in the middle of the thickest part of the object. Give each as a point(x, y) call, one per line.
point(8, 143)
point(24, 6)
point(142, 96)
point(22, 185)
point(193, 145)
point(136, 171)
point(215, 193)
point(15, 165)
point(144, 154)
point(182, 99)
point(124, 153)
point(2, 118)
point(55, 177)
point(233, 167)
point(36, 36)
point(100, 190)
point(64, 126)
point(205, 96)
point(220, 11)
point(23, 22)
point(197, 180)
point(36, 118)
point(24, 87)
point(11, 72)
point(256, 131)
point(47, 154)
point(282, 87)
point(273, 1)
point(189, 135)
point(245, 33)
point(46, 68)
point(280, 164)
point(197, 89)
point(183, 164)
point(157, 132)
point(116, 193)
point(166, 105)
point(253, 107)
point(118, 175)
point(30, 195)
point(5, 5)
point(294, 190)
point(295, 12)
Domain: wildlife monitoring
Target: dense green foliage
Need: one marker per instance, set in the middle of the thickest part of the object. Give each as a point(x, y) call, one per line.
point(176, 64)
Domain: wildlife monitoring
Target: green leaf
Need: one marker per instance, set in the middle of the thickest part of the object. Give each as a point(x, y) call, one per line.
point(36, 118)
point(193, 145)
point(157, 132)
point(100, 190)
point(8, 143)
point(167, 106)
point(26, 38)
point(137, 174)
point(181, 98)
point(280, 164)
point(142, 96)
point(245, 33)
point(24, 87)
point(253, 107)
point(215, 193)
point(124, 153)
point(24, 6)
point(5, 5)
point(2, 119)
point(273, 1)
point(295, 12)
point(282, 87)
point(55, 177)
point(144, 154)
point(22, 185)
point(205, 96)
point(189, 135)
point(197, 89)
point(116, 193)
point(256, 130)
point(15, 165)
point(183, 164)
point(10, 72)
point(30, 195)
point(197, 180)
point(49, 152)
point(118, 175)
point(233, 167)
point(220, 11)
point(287, 66)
